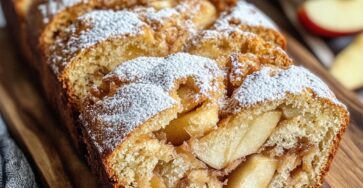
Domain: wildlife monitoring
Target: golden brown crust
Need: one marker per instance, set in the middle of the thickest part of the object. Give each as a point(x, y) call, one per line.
point(335, 144)
point(268, 34)
point(223, 5)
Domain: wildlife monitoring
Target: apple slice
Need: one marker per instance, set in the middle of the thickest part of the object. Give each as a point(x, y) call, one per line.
point(187, 98)
point(289, 112)
point(348, 65)
point(235, 138)
point(257, 171)
point(332, 18)
point(192, 124)
point(157, 182)
point(215, 148)
point(258, 132)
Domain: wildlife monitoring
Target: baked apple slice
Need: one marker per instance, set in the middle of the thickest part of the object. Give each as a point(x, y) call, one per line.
point(157, 182)
point(236, 137)
point(192, 124)
point(257, 171)
point(258, 132)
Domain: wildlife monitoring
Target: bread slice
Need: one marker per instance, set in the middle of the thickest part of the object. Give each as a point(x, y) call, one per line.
point(310, 124)
point(285, 119)
point(124, 124)
point(246, 17)
point(99, 40)
point(47, 18)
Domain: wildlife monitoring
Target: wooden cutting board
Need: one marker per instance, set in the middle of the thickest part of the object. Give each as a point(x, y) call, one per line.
point(57, 164)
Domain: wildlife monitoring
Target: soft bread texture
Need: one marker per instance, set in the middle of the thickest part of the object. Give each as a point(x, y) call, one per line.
point(181, 93)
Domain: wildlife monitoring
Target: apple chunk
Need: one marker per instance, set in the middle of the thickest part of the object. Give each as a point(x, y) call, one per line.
point(348, 65)
point(187, 98)
point(235, 138)
point(157, 182)
point(257, 171)
point(332, 18)
point(215, 148)
point(192, 124)
point(257, 134)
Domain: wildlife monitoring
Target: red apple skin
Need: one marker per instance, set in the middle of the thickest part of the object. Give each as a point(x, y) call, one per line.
point(318, 30)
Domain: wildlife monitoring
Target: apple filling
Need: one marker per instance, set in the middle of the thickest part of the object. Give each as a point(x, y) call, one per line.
point(276, 148)
point(235, 138)
point(149, 161)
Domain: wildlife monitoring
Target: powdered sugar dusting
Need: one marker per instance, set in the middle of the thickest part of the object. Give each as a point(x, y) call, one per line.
point(214, 34)
point(51, 7)
point(273, 84)
point(238, 69)
point(105, 24)
point(156, 16)
point(110, 120)
point(164, 72)
point(244, 13)
point(181, 15)
point(97, 26)
point(206, 35)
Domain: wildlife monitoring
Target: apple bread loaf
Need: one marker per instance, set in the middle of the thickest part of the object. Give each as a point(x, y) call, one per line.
point(181, 93)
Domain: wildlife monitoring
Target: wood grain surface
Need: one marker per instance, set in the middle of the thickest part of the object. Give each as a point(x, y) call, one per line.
point(56, 162)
